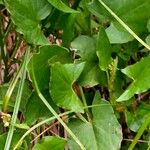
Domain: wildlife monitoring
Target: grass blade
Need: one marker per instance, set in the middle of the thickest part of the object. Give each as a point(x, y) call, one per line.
point(17, 103)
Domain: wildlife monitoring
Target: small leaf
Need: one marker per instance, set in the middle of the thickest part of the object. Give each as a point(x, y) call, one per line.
point(103, 50)
point(61, 85)
point(104, 132)
point(50, 142)
point(61, 6)
point(139, 72)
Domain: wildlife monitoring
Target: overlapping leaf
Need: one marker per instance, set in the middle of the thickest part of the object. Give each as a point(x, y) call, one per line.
point(40, 110)
point(27, 15)
point(104, 131)
point(85, 47)
point(139, 72)
point(39, 63)
point(61, 85)
point(134, 13)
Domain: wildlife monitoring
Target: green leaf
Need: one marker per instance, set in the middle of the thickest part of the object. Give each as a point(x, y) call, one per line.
point(103, 50)
point(50, 142)
point(67, 24)
point(39, 63)
point(61, 85)
point(117, 34)
point(92, 75)
point(104, 132)
point(61, 6)
point(135, 119)
point(27, 15)
point(134, 13)
point(85, 47)
point(139, 72)
point(40, 110)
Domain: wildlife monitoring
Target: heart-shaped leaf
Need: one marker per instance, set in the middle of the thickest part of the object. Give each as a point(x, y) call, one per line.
point(62, 81)
point(104, 131)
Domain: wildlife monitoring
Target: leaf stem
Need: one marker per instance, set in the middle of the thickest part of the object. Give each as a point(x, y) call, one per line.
point(140, 132)
point(125, 25)
point(55, 114)
point(17, 103)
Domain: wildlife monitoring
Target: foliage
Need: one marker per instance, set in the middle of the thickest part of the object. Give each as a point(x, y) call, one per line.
point(74, 74)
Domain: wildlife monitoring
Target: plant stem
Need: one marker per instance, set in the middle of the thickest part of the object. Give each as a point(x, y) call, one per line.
point(36, 126)
point(17, 103)
point(85, 104)
point(125, 25)
point(55, 114)
point(140, 132)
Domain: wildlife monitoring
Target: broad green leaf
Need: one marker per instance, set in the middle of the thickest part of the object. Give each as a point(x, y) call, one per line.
point(103, 50)
point(27, 15)
point(104, 131)
point(39, 65)
point(134, 13)
point(50, 143)
point(61, 6)
point(85, 47)
point(61, 85)
point(139, 72)
point(92, 75)
point(135, 119)
point(36, 110)
point(27, 91)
